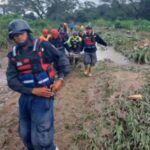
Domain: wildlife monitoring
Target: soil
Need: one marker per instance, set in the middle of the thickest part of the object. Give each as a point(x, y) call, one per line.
point(79, 96)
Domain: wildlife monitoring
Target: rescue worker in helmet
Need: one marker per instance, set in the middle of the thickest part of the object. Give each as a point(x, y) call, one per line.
point(45, 35)
point(74, 48)
point(30, 73)
point(89, 45)
point(57, 40)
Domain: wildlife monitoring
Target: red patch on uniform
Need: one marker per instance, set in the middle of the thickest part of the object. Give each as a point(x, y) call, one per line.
point(24, 67)
point(26, 60)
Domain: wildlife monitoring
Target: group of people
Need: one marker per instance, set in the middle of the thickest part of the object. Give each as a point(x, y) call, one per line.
point(74, 43)
point(32, 68)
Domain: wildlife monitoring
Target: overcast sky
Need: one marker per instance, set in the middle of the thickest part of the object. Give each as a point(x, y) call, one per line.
point(96, 1)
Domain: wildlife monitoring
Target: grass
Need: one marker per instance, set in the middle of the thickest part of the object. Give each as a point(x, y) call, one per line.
point(130, 131)
point(121, 34)
point(125, 42)
point(118, 126)
point(140, 55)
point(134, 25)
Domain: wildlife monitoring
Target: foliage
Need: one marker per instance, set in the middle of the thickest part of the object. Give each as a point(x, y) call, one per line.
point(140, 55)
point(118, 126)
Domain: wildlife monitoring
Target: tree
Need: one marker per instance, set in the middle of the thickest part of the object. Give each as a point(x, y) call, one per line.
point(144, 9)
point(61, 9)
point(55, 9)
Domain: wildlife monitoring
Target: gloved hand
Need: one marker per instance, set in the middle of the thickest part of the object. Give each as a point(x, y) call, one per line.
point(44, 92)
point(57, 86)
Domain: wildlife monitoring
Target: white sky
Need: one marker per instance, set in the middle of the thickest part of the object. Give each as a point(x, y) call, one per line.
point(96, 1)
point(3, 1)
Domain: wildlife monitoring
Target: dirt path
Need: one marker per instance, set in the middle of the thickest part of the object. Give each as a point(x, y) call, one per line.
point(75, 101)
point(70, 105)
point(81, 96)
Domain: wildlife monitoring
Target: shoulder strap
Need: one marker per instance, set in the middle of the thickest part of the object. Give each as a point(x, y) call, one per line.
point(37, 44)
point(35, 47)
point(14, 51)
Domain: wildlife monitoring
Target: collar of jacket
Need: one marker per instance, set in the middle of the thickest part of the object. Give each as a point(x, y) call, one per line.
point(29, 44)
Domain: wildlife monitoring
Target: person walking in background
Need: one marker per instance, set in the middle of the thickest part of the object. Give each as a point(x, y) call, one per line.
point(74, 48)
point(89, 45)
point(45, 35)
point(72, 26)
point(57, 40)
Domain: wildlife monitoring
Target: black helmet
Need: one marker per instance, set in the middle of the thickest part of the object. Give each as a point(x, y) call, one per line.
point(18, 26)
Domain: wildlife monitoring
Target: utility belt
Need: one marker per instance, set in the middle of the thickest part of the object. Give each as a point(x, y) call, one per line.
point(31, 80)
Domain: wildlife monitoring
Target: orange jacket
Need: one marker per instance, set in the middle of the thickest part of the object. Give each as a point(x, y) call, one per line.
point(42, 38)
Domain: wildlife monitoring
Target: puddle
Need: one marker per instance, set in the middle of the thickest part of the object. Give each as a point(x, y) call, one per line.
point(112, 55)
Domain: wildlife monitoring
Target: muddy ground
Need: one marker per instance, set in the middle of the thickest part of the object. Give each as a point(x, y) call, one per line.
point(79, 97)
